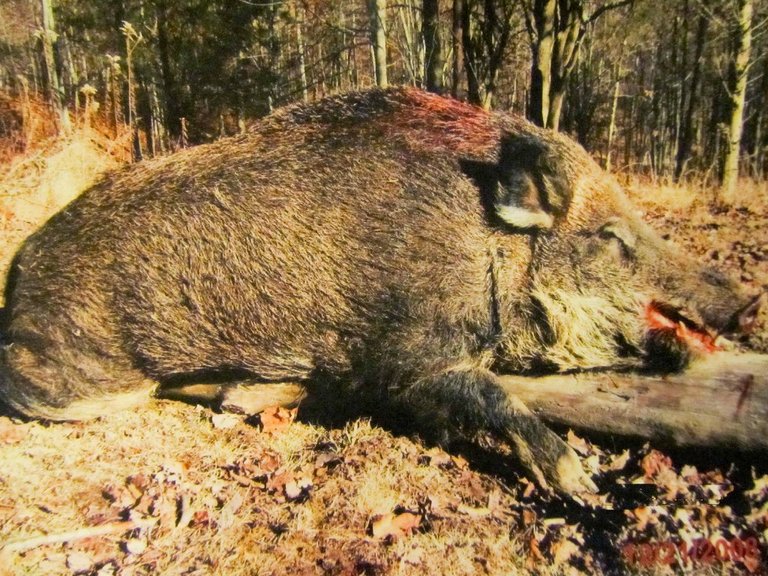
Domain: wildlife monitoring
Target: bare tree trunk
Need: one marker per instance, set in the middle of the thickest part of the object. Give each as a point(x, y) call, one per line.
point(412, 50)
point(69, 71)
point(612, 126)
point(629, 132)
point(54, 91)
point(758, 146)
point(378, 18)
point(354, 74)
point(541, 67)
point(740, 70)
point(556, 99)
point(570, 32)
point(470, 63)
point(556, 29)
point(687, 131)
point(458, 50)
point(132, 39)
point(113, 86)
point(171, 92)
point(430, 22)
point(485, 43)
point(298, 18)
point(273, 56)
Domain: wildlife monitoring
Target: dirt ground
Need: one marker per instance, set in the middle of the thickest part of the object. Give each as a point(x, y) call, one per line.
point(177, 489)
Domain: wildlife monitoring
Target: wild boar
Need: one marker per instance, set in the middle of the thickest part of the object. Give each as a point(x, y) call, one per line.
point(401, 246)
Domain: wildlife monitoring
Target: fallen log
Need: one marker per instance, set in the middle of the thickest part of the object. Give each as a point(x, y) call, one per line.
point(720, 401)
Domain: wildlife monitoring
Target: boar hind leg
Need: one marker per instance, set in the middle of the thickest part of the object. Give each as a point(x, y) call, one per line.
point(242, 397)
point(54, 382)
point(472, 402)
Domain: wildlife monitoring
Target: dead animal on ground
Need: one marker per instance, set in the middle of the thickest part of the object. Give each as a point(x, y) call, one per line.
point(398, 246)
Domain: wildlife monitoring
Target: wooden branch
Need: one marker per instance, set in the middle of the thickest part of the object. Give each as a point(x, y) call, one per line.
point(80, 534)
point(606, 7)
point(721, 401)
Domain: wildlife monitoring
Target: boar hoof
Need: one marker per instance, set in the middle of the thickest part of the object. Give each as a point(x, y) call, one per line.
point(570, 477)
point(554, 465)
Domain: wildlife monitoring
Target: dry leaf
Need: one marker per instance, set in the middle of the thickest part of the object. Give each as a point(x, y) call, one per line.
point(752, 563)
point(276, 418)
point(535, 557)
point(655, 462)
point(225, 421)
point(135, 546)
point(563, 551)
point(201, 518)
point(296, 489)
point(138, 481)
point(269, 463)
point(119, 496)
point(79, 562)
point(759, 489)
point(602, 501)
point(579, 444)
point(107, 570)
point(395, 525)
point(438, 458)
point(166, 509)
point(643, 516)
point(550, 522)
point(277, 482)
point(459, 462)
point(530, 488)
point(228, 512)
point(474, 486)
point(690, 474)
point(327, 460)
point(617, 463)
point(11, 433)
point(529, 517)
point(592, 464)
point(473, 512)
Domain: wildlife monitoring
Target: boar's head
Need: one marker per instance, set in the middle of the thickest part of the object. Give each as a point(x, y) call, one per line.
point(604, 290)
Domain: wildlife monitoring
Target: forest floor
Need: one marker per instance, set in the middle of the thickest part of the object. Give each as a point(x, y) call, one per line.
point(178, 489)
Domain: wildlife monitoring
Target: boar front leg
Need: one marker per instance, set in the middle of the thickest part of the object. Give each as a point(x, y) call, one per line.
point(471, 401)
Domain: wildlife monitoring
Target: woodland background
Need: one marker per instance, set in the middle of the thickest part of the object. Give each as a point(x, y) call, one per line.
point(670, 96)
point(674, 89)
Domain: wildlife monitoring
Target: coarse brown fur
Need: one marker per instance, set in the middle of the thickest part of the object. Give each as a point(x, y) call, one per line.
point(401, 245)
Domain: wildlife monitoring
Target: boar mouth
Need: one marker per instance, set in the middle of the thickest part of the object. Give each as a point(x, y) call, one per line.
point(673, 337)
point(668, 322)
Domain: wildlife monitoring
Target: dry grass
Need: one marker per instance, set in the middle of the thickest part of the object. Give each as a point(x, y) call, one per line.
point(51, 171)
point(217, 505)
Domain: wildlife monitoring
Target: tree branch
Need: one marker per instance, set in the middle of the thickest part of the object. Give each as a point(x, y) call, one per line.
point(606, 7)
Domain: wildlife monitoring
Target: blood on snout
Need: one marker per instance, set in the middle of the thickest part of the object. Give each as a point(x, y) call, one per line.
point(665, 318)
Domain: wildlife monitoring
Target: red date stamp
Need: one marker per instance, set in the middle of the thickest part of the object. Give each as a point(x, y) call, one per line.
point(700, 551)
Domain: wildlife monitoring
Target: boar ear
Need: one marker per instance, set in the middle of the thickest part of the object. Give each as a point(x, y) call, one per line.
point(528, 187)
point(533, 186)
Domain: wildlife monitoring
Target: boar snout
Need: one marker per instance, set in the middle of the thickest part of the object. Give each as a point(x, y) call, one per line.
point(728, 309)
point(744, 320)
